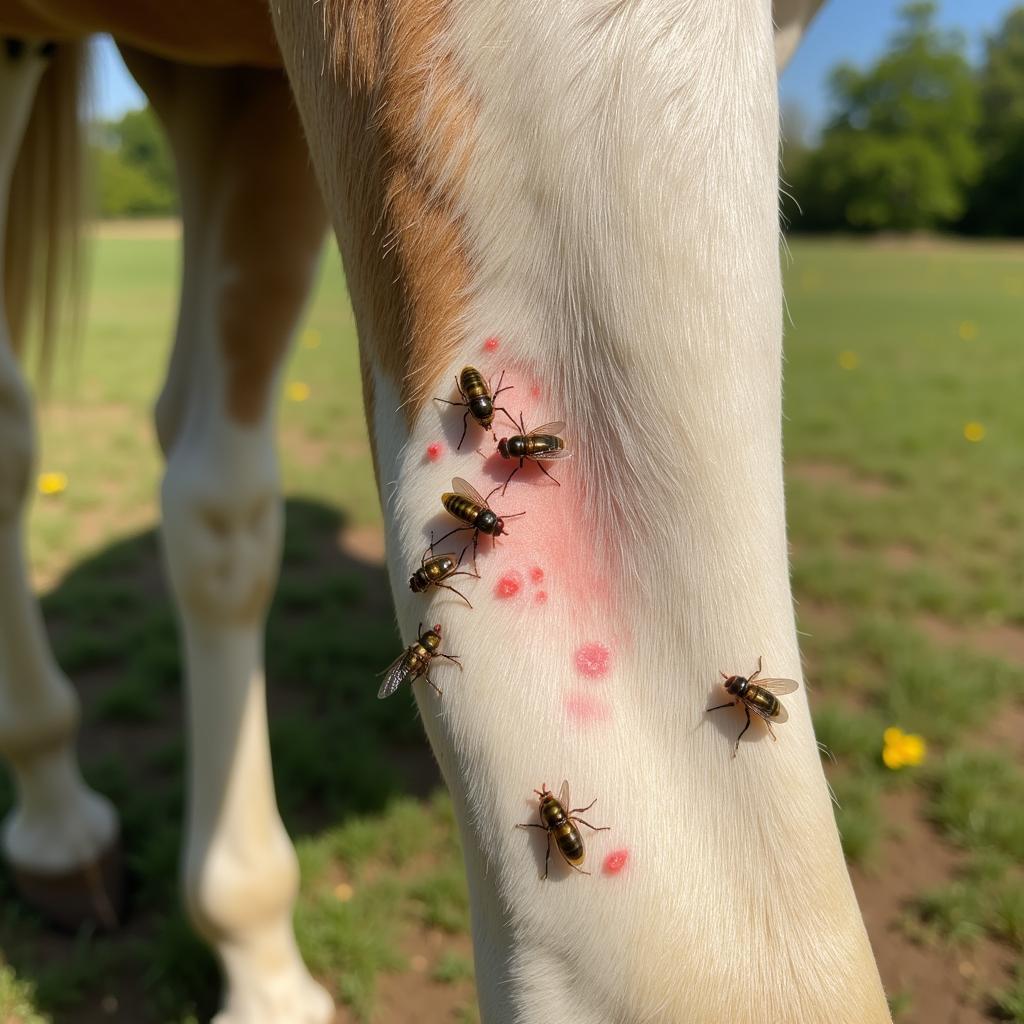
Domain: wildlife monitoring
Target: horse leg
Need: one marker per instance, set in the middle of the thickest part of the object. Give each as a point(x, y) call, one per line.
point(61, 838)
point(596, 184)
point(253, 231)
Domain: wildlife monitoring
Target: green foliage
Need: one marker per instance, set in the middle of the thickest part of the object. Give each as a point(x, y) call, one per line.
point(997, 201)
point(900, 152)
point(133, 167)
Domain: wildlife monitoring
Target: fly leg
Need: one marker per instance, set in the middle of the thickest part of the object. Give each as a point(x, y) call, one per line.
point(437, 689)
point(461, 571)
point(451, 657)
point(718, 707)
point(593, 828)
point(540, 466)
point(512, 474)
point(449, 533)
point(742, 731)
point(444, 586)
point(465, 427)
point(754, 675)
point(580, 810)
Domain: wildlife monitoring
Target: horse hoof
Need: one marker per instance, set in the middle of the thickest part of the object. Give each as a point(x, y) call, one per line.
point(92, 894)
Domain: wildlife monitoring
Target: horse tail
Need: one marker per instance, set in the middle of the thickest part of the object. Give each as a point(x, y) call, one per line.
point(43, 259)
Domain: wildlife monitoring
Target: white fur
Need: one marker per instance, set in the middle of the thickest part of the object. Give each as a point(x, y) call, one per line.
point(620, 209)
point(58, 824)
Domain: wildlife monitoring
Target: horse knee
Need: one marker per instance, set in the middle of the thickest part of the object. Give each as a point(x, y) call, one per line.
point(222, 527)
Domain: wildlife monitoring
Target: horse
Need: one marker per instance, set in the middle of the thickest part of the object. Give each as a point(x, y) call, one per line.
point(585, 197)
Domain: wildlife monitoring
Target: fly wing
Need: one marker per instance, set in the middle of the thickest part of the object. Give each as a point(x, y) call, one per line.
point(778, 686)
point(467, 490)
point(563, 794)
point(394, 676)
point(555, 428)
point(560, 453)
point(783, 715)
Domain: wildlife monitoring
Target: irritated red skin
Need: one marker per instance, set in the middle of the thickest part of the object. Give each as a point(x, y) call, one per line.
point(509, 585)
point(491, 345)
point(614, 862)
point(537, 574)
point(435, 450)
point(586, 708)
point(592, 660)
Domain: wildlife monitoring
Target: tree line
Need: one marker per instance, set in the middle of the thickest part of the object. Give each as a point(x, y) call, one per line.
point(920, 140)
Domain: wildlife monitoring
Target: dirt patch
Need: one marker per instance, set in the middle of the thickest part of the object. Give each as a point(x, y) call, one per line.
point(834, 473)
point(900, 556)
point(363, 542)
point(944, 985)
point(414, 996)
point(1001, 640)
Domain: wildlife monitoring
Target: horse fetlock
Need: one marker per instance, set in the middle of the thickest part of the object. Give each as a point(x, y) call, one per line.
point(237, 892)
point(58, 825)
point(222, 537)
point(267, 982)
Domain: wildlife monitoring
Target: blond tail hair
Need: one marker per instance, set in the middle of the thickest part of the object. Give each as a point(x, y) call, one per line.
point(43, 266)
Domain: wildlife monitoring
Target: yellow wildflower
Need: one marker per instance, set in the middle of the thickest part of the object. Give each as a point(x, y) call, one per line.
point(968, 331)
point(902, 748)
point(849, 360)
point(52, 483)
point(344, 892)
point(974, 431)
point(297, 391)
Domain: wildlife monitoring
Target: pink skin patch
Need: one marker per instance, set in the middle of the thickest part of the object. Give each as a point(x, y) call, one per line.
point(435, 450)
point(491, 345)
point(535, 391)
point(592, 660)
point(541, 597)
point(587, 709)
point(509, 585)
point(615, 862)
point(537, 574)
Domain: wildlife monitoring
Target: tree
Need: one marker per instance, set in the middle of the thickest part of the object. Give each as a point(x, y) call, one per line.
point(997, 201)
point(133, 166)
point(900, 152)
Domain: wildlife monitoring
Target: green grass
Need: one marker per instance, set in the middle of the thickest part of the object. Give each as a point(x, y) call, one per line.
point(908, 545)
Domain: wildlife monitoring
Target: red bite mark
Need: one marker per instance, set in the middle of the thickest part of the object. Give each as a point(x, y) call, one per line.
point(587, 709)
point(509, 585)
point(537, 574)
point(615, 862)
point(535, 391)
point(592, 660)
point(491, 345)
point(541, 597)
point(435, 450)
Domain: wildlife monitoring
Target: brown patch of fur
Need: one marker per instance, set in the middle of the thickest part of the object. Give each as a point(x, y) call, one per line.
point(391, 146)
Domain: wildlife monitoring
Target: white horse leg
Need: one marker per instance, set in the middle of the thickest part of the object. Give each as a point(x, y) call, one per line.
point(791, 19)
point(594, 185)
point(61, 839)
point(254, 226)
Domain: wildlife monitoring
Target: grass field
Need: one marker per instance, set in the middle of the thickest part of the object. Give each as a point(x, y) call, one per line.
point(903, 460)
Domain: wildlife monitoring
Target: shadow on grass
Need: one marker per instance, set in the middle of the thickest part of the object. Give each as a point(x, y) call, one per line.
point(338, 752)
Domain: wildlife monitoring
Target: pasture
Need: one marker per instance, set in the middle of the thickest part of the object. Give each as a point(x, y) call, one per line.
point(903, 459)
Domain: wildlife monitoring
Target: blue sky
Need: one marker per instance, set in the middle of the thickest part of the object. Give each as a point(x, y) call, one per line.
point(846, 30)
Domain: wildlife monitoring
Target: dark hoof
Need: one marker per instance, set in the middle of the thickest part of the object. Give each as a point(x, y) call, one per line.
point(91, 895)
